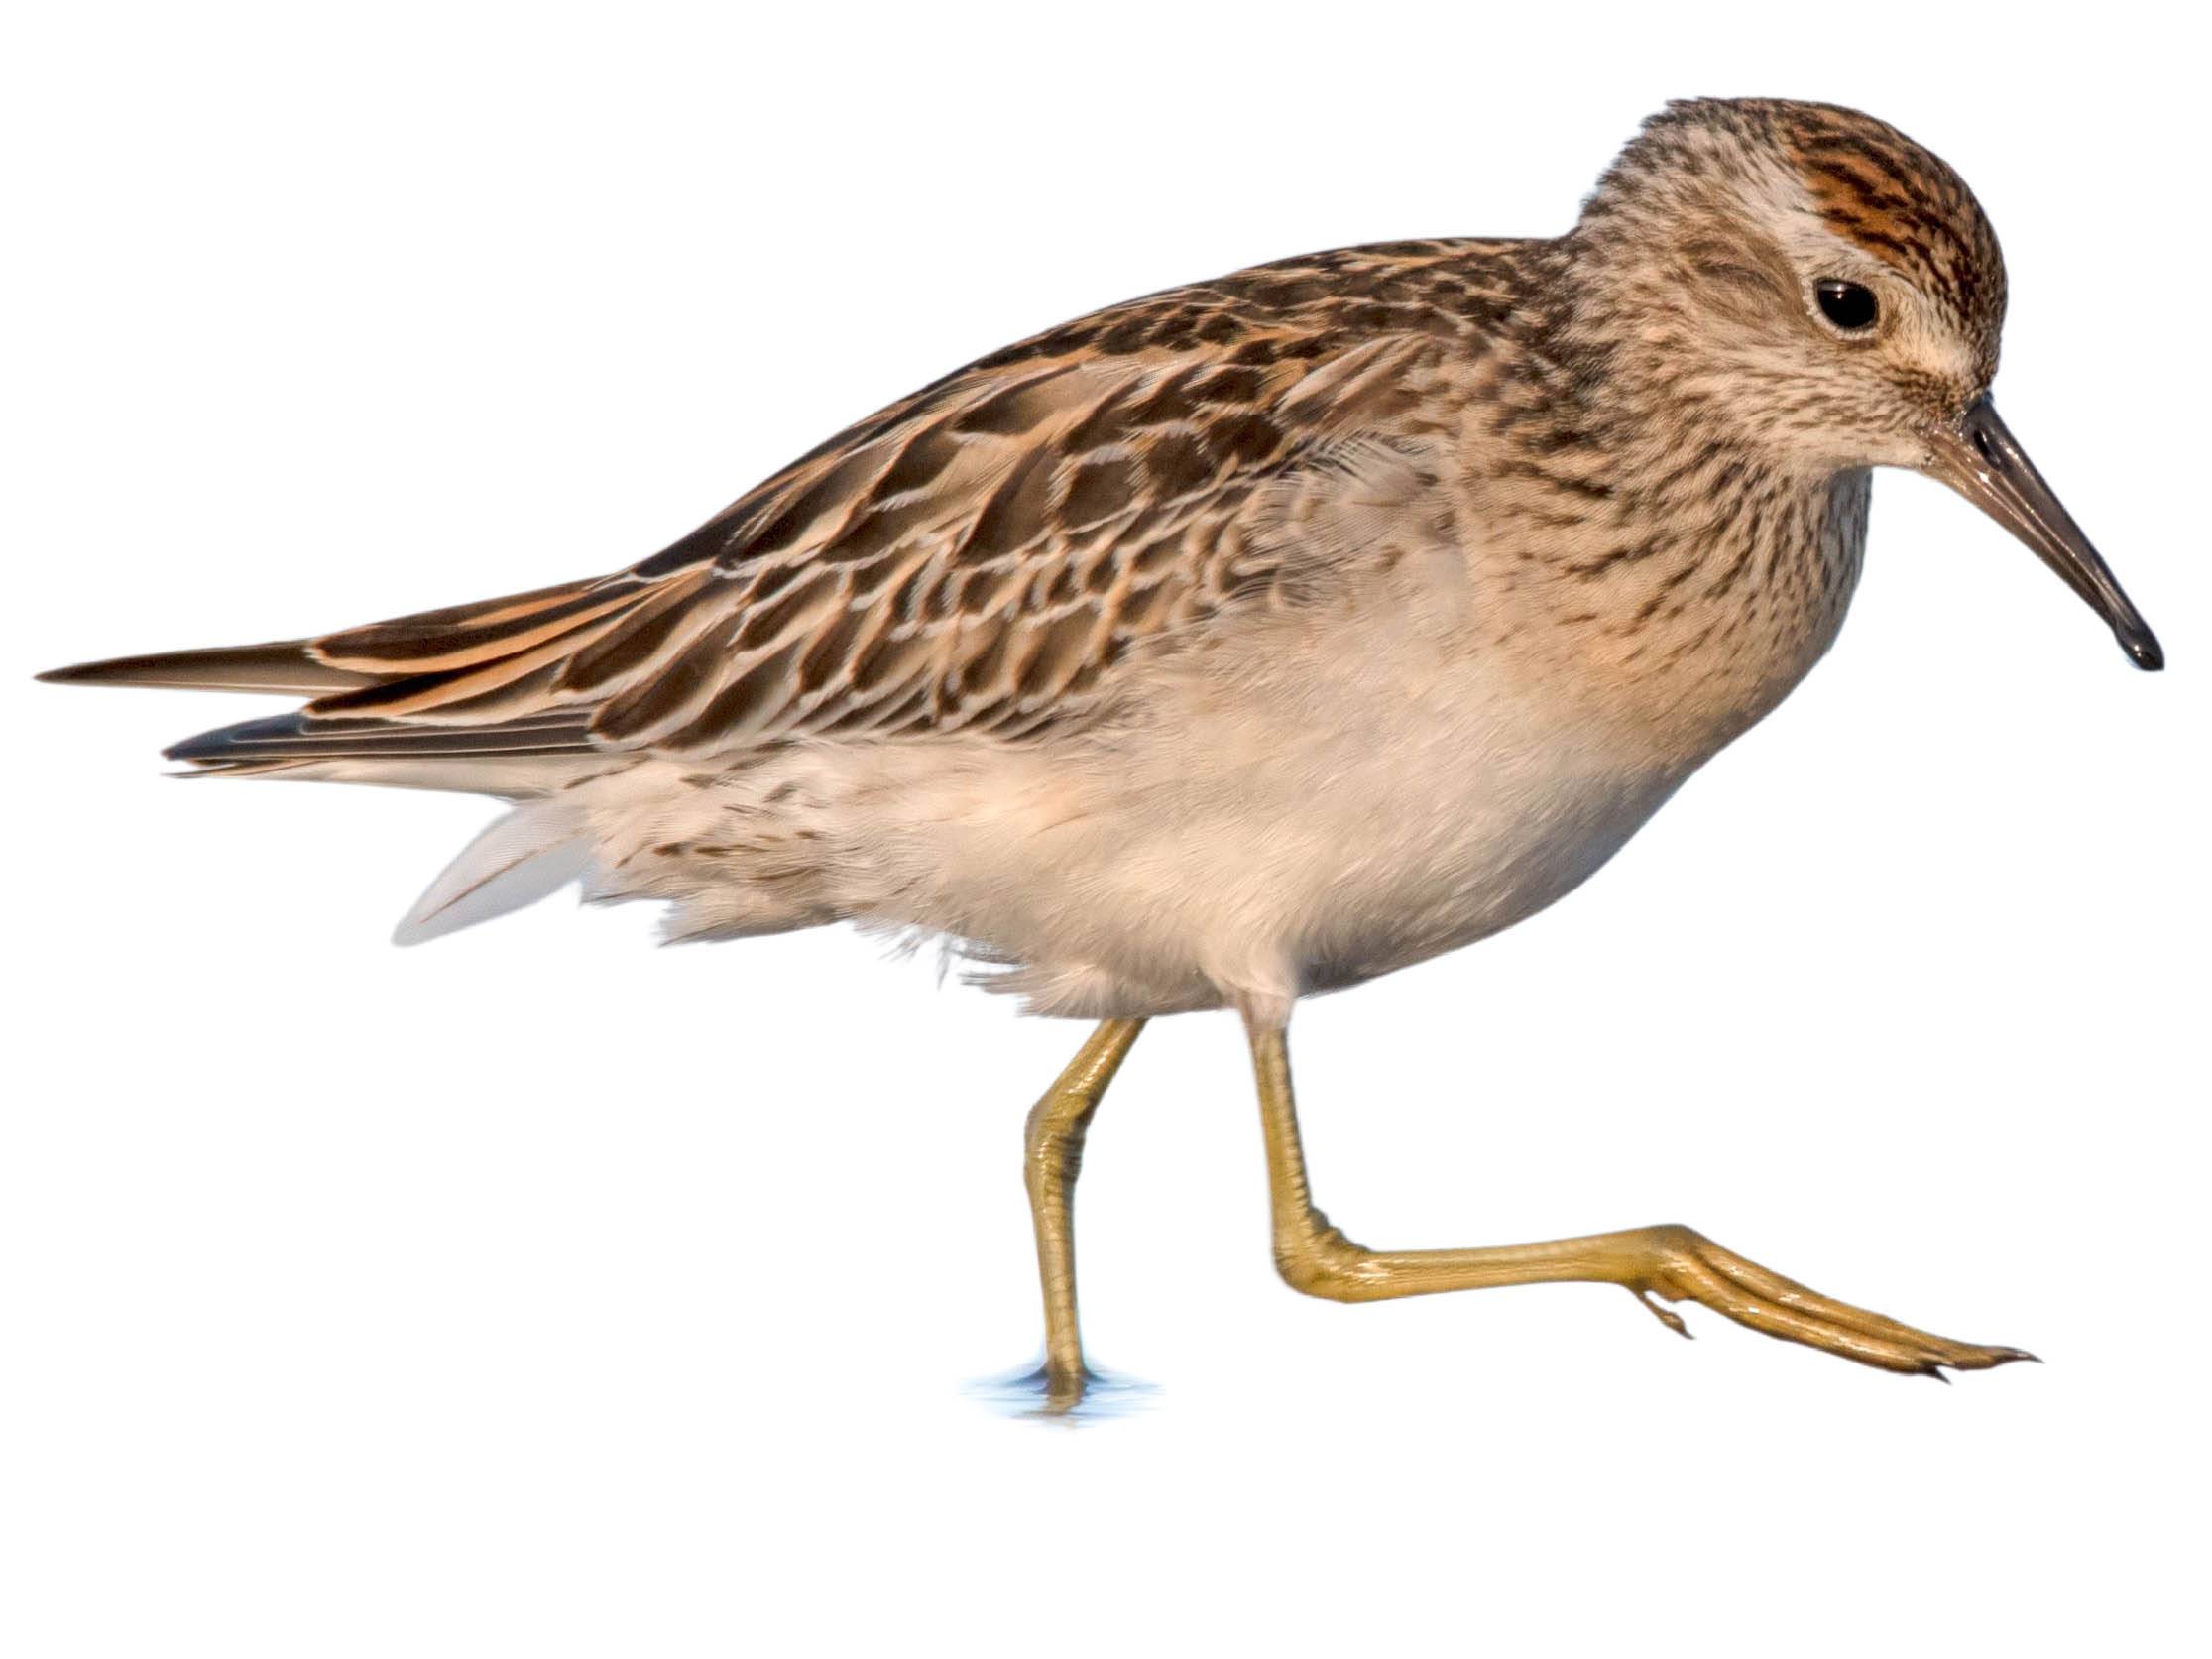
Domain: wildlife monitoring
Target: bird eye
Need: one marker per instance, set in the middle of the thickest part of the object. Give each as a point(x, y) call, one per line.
point(1849, 305)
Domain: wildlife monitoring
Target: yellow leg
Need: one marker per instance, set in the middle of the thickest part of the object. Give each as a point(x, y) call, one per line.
point(1053, 1147)
point(1673, 1262)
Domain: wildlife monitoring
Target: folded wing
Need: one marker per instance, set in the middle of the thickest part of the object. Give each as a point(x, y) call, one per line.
point(978, 558)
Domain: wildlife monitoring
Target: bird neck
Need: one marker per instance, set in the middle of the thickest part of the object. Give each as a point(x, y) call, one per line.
point(1690, 570)
point(1689, 601)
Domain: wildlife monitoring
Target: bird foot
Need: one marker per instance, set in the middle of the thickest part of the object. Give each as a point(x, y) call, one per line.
point(1683, 1264)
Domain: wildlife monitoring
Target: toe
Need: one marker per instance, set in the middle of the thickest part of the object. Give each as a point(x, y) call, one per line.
point(1694, 1267)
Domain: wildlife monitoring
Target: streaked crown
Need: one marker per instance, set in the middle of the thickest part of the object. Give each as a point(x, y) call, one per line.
point(1723, 221)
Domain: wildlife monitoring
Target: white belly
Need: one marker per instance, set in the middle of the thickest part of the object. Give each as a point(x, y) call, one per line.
point(1244, 851)
point(1308, 814)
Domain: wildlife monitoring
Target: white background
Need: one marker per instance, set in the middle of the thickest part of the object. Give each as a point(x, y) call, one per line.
point(542, 1293)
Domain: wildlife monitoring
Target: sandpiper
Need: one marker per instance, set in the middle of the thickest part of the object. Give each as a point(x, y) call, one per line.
point(1249, 640)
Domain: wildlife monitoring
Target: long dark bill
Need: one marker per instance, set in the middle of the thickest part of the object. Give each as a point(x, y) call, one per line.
point(1984, 462)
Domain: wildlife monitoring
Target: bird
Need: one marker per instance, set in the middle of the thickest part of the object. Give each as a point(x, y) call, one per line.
point(1249, 640)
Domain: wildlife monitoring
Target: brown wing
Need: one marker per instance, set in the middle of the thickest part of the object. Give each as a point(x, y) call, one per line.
point(977, 557)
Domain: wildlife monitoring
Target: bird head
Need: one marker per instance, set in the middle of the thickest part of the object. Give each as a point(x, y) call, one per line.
point(1810, 281)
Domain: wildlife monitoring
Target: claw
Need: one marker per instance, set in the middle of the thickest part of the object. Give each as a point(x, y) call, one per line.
point(1688, 1265)
point(1665, 1316)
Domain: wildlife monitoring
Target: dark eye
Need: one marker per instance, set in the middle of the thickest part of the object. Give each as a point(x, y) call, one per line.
point(1848, 305)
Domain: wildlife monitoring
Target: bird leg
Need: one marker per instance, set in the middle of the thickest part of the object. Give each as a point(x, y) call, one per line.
point(1672, 1263)
point(1052, 1157)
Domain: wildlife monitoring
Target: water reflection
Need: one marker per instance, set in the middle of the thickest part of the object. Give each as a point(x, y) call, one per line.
point(1026, 1393)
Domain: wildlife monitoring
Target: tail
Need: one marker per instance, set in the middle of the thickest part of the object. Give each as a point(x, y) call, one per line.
point(452, 699)
point(515, 758)
point(282, 666)
point(458, 699)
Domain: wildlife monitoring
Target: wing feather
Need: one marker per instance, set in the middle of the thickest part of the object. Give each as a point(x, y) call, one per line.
point(980, 556)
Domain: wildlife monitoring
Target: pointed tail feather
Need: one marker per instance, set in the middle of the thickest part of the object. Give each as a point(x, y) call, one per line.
point(302, 737)
point(445, 662)
point(282, 666)
point(468, 698)
point(525, 757)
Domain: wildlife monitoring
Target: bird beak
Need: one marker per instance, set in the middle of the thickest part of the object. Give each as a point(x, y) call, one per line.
point(1985, 463)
